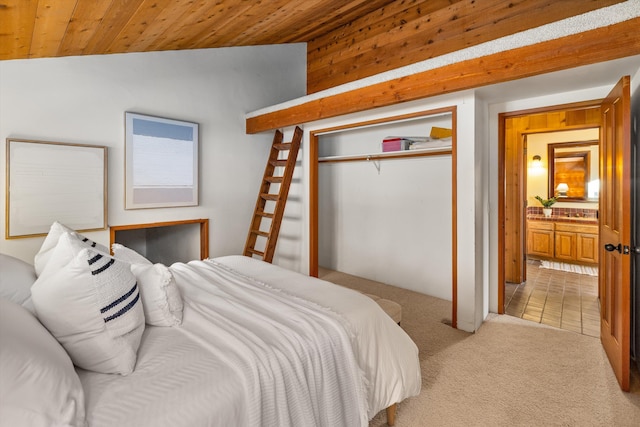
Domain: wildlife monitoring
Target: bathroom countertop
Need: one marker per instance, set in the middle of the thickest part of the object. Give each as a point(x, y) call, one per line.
point(560, 218)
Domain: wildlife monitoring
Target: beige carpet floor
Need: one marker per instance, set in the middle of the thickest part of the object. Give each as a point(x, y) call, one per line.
point(511, 372)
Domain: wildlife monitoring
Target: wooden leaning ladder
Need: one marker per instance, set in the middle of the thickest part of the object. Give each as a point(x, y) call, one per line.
point(273, 212)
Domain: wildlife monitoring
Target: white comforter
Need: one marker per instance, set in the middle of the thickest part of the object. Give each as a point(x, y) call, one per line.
point(260, 346)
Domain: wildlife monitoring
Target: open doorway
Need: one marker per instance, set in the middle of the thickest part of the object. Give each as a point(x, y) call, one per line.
point(522, 133)
point(613, 116)
point(561, 188)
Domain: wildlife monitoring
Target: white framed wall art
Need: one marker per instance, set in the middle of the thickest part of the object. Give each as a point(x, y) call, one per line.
point(54, 181)
point(161, 163)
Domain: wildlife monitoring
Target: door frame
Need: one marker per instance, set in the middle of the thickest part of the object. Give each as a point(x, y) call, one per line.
point(502, 179)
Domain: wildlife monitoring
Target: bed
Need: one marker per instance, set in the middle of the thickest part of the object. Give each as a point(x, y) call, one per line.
point(237, 342)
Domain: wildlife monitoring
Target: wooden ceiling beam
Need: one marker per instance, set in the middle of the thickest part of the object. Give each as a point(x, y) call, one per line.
point(599, 45)
point(458, 26)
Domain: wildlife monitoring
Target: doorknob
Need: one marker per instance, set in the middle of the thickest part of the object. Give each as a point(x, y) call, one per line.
point(610, 248)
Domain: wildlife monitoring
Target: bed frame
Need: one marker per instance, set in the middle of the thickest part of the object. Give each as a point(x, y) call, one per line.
point(391, 414)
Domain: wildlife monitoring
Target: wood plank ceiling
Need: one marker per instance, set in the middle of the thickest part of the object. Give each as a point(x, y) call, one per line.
point(346, 39)
point(52, 28)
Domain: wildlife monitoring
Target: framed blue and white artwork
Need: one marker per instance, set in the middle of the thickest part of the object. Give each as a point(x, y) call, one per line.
point(161, 162)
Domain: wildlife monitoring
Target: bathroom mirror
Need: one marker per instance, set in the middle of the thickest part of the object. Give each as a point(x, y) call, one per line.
point(573, 171)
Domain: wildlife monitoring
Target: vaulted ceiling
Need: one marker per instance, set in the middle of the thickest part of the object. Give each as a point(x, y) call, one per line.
point(50, 28)
point(346, 40)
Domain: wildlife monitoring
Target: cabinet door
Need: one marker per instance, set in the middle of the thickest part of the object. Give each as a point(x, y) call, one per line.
point(565, 245)
point(587, 247)
point(540, 242)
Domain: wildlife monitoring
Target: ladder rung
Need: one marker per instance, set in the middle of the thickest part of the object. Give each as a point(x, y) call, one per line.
point(253, 251)
point(282, 155)
point(264, 214)
point(282, 146)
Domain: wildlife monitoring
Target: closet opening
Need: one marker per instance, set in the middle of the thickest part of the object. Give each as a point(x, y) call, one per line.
point(383, 201)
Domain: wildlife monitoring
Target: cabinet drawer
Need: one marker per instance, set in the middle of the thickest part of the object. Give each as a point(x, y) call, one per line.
point(577, 228)
point(540, 225)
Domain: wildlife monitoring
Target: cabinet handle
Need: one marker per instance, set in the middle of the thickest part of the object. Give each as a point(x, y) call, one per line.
point(610, 248)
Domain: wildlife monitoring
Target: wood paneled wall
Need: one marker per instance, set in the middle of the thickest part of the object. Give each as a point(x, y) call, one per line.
point(408, 31)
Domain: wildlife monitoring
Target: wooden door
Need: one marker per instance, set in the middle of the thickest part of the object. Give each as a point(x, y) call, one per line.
point(615, 230)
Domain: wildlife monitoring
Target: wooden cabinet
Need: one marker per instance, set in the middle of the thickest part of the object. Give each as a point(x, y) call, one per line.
point(563, 241)
point(540, 238)
point(565, 245)
point(587, 247)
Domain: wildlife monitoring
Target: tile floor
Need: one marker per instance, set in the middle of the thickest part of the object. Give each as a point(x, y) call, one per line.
point(561, 299)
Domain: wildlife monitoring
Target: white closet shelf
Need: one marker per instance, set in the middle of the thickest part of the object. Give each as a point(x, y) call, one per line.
point(436, 151)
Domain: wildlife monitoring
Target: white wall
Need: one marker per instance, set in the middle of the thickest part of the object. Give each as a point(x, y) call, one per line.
point(83, 100)
point(482, 211)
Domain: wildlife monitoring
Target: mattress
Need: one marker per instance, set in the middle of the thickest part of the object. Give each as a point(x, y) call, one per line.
point(260, 345)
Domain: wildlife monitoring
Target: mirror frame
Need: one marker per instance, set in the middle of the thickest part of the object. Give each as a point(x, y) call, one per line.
point(579, 152)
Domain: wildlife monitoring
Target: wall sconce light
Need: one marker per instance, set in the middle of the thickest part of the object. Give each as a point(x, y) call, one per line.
point(562, 189)
point(536, 162)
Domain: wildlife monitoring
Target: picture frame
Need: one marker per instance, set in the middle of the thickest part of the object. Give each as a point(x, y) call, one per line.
point(54, 181)
point(161, 162)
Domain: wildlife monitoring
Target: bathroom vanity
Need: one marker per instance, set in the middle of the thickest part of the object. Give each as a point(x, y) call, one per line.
point(564, 239)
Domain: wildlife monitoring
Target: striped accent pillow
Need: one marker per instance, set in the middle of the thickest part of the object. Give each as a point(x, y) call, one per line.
point(91, 303)
point(55, 231)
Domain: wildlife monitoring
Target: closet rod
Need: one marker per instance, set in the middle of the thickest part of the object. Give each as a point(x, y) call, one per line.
point(384, 156)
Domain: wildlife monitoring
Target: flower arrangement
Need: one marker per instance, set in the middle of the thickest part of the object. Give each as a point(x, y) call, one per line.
point(546, 203)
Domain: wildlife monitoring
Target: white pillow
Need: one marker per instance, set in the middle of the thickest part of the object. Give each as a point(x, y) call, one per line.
point(38, 384)
point(16, 278)
point(90, 303)
point(161, 298)
point(55, 231)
